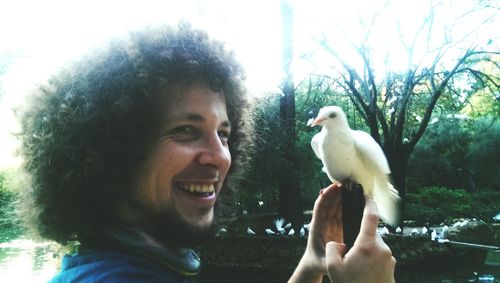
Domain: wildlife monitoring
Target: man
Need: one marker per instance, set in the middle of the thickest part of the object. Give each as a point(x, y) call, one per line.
point(128, 150)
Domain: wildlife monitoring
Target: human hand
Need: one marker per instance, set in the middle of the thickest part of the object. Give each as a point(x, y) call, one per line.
point(369, 260)
point(326, 226)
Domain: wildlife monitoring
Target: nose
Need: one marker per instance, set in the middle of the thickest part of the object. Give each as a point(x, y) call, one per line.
point(214, 152)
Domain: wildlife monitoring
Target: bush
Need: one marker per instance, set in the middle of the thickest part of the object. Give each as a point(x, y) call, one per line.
point(486, 205)
point(435, 205)
point(457, 154)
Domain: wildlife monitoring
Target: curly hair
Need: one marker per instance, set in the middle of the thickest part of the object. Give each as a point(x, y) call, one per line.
point(90, 127)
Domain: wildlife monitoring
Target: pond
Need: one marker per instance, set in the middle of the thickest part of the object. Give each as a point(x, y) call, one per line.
point(23, 260)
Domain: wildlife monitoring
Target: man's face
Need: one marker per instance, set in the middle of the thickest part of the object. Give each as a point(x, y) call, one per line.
point(179, 183)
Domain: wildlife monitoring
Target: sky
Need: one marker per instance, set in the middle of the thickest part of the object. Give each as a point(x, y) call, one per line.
point(43, 35)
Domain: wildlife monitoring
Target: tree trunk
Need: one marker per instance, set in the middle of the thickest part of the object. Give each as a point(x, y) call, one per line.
point(398, 162)
point(290, 202)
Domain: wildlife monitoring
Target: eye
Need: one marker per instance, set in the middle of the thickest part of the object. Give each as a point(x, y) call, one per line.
point(184, 133)
point(332, 115)
point(224, 136)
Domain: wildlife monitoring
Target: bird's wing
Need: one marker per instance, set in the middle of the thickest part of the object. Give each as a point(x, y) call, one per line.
point(315, 144)
point(370, 151)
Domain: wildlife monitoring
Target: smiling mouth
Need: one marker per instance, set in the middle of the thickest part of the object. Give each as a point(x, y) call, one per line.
point(203, 190)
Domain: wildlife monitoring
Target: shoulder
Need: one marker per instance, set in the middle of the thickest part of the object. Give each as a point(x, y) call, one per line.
point(113, 267)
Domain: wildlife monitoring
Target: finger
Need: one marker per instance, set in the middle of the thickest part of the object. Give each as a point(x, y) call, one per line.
point(334, 253)
point(328, 191)
point(327, 195)
point(369, 223)
point(393, 261)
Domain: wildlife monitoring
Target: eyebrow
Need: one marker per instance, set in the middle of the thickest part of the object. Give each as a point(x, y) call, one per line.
point(195, 117)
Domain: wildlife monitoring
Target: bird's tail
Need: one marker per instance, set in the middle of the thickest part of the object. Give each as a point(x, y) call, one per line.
point(387, 199)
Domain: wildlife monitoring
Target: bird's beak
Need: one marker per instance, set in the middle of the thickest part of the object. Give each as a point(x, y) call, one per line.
point(316, 122)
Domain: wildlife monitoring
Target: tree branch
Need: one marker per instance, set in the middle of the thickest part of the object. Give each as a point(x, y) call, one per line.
point(435, 96)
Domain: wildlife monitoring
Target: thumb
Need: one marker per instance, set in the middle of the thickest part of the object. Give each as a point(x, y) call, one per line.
point(334, 253)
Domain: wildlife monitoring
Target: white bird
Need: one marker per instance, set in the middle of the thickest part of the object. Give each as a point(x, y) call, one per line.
point(279, 225)
point(398, 230)
point(464, 223)
point(424, 230)
point(302, 232)
point(496, 218)
point(444, 232)
point(354, 156)
point(291, 232)
point(434, 235)
point(250, 231)
point(384, 231)
point(270, 232)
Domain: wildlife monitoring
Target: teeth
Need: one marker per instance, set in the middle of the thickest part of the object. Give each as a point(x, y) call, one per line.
point(204, 188)
point(199, 188)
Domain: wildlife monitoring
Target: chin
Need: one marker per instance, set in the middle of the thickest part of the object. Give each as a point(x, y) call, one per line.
point(174, 229)
point(201, 222)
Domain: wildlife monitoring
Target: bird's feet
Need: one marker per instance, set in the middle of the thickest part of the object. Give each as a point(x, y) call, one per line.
point(348, 184)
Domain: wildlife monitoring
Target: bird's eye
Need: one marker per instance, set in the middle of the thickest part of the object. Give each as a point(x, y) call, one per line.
point(332, 115)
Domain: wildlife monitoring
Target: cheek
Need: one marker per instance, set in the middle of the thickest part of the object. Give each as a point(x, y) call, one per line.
point(173, 163)
point(173, 155)
point(171, 160)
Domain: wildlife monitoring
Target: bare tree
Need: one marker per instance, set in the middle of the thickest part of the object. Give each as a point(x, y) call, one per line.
point(398, 108)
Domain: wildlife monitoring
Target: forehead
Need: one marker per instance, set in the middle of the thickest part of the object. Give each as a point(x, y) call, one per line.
point(198, 99)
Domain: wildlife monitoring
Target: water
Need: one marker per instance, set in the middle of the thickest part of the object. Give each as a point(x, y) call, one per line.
point(26, 261)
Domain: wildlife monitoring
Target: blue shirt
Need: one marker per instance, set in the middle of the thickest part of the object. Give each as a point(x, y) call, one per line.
point(111, 266)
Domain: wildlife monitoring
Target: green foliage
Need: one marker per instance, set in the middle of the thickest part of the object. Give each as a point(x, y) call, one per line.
point(435, 205)
point(484, 153)
point(260, 181)
point(9, 227)
point(457, 154)
point(482, 104)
